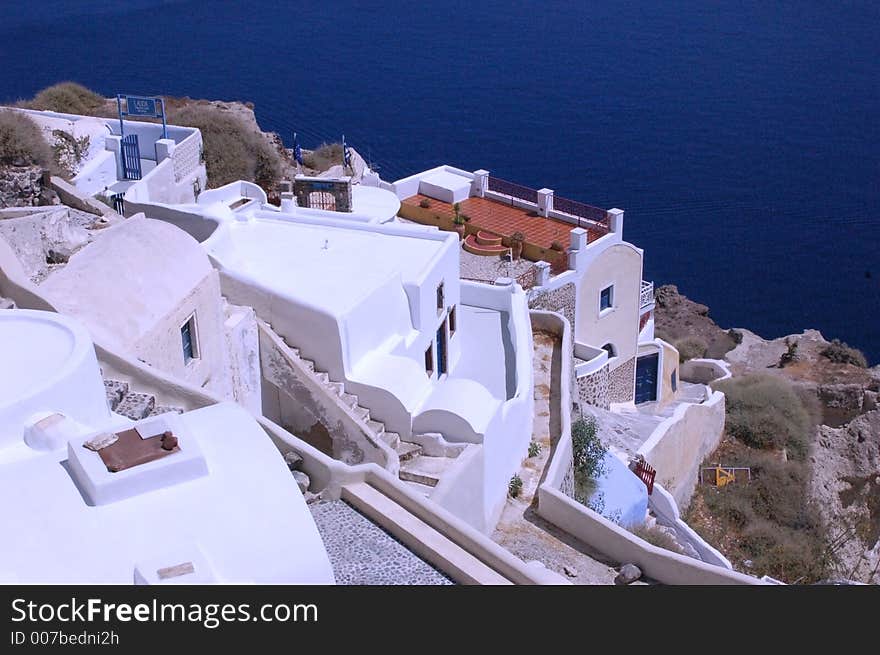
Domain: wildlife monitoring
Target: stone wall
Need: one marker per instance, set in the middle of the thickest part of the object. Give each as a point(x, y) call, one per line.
point(593, 389)
point(20, 186)
point(622, 382)
point(561, 300)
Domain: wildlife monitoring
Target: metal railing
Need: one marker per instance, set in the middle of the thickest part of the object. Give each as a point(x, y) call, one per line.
point(580, 210)
point(513, 190)
point(646, 295)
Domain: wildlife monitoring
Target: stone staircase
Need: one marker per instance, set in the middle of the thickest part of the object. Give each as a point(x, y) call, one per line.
point(376, 429)
point(484, 243)
point(132, 404)
point(418, 470)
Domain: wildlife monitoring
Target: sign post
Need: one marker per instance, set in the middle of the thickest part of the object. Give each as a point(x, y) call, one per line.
point(141, 106)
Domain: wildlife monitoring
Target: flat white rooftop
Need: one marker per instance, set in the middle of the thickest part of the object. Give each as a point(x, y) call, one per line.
point(341, 265)
point(244, 521)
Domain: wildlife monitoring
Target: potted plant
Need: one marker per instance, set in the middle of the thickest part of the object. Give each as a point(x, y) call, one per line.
point(459, 220)
point(516, 244)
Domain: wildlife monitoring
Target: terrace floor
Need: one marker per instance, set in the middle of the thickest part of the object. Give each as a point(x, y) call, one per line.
point(500, 218)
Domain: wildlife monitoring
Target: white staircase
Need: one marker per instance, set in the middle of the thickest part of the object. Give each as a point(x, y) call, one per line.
point(421, 471)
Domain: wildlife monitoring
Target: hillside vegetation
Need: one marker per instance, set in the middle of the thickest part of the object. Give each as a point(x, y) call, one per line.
point(234, 146)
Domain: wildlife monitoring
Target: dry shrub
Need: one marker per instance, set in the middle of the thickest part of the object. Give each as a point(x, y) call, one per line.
point(68, 98)
point(323, 157)
point(690, 348)
point(232, 150)
point(763, 411)
point(656, 537)
point(22, 142)
point(838, 351)
point(770, 520)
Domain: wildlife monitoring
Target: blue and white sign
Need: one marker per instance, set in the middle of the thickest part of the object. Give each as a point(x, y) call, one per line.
point(139, 106)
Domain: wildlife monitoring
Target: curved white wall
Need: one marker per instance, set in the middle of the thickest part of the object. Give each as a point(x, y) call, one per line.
point(49, 365)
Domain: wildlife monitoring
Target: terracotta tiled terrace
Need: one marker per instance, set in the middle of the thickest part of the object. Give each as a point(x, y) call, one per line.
point(500, 218)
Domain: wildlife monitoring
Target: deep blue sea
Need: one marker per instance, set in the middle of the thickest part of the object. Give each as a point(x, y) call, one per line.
point(740, 136)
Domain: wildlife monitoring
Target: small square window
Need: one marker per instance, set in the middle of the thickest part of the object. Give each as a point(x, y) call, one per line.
point(441, 301)
point(429, 360)
point(674, 381)
point(189, 340)
point(606, 298)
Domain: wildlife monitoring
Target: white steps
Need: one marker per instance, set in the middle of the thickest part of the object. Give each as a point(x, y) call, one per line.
point(424, 470)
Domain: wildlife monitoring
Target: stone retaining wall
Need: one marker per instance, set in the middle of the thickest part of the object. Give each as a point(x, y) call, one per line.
point(621, 382)
point(20, 186)
point(561, 300)
point(593, 389)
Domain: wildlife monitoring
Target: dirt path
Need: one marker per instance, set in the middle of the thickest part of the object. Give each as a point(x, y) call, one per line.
point(521, 530)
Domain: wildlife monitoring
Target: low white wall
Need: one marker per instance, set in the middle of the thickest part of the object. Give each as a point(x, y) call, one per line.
point(665, 508)
point(233, 191)
point(678, 445)
point(595, 358)
point(595, 530)
point(98, 174)
point(704, 371)
point(409, 186)
point(460, 490)
point(617, 542)
point(196, 225)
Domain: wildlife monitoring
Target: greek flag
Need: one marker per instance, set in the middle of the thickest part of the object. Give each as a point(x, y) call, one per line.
point(297, 151)
point(346, 153)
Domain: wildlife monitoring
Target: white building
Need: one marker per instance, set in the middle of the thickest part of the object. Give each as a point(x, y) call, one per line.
point(171, 165)
point(378, 306)
point(598, 285)
point(219, 506)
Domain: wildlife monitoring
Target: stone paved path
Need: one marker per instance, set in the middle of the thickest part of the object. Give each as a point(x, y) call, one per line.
point(362, 553)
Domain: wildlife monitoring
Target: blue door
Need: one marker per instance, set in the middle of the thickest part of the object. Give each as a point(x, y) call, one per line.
point(131, 157)
point(441, 350)
point(646, 378)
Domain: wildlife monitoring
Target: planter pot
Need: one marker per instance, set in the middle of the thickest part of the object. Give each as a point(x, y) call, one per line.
point(516, 249)
point(460, 230)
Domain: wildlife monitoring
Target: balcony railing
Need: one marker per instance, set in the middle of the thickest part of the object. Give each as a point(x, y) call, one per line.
point(580, 210)
point(646, 297)
point(518, 191)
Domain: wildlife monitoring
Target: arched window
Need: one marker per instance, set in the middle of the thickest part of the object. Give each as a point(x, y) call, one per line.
point(612, 352)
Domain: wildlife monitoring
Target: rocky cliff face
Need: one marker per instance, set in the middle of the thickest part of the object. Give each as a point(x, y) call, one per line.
point(845, 402)
point(846, 487)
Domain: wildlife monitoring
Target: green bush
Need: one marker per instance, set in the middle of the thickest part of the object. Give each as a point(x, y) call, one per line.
point(839, 352)
point(22, 142)
point(588, 451)
point(68, 98)
point(690, 348)
point(232, 150)
point(323, 157)
point(764, 412)
point(514, 487)
point(534, 449)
